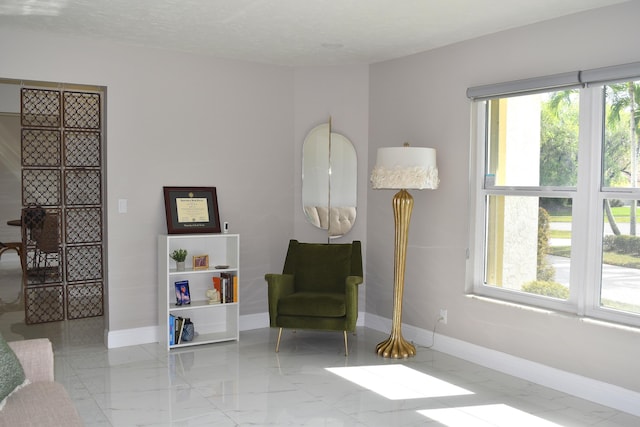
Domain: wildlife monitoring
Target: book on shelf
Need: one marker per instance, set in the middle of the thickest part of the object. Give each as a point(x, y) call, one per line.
point(228, 286)
point(235, 288)
point(176, 328)
point(217, 286)
point(179, 328)
point(172, 329)
point(183, 295)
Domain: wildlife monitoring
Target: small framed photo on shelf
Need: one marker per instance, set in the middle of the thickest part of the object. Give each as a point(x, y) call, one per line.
point(201, 262)
point(183, 296)
point(191, 210)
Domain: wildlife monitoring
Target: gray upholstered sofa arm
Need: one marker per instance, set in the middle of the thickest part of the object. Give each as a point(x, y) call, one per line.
point(42, 402)
point(36, 357)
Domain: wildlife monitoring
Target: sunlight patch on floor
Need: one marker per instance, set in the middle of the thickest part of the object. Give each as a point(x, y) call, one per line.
point(498, 415)
point(397, 382)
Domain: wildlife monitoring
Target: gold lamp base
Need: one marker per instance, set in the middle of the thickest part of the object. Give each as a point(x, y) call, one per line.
point(396, 347)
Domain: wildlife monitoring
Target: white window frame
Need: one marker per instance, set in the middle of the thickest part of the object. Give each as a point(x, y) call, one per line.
point(587, 217)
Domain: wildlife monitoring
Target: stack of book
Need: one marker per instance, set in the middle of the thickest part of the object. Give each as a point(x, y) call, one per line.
point(227, 285)
point(176, 328)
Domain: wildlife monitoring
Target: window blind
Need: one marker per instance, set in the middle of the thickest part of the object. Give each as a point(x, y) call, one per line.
point(522, 87)
point(560, 81)
point(611, 74)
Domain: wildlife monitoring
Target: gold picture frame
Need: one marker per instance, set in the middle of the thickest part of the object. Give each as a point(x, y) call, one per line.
point(200, 262)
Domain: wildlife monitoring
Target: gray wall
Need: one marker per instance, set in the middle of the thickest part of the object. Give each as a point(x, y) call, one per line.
point(10, 164)
point(343, 94)
point(422, 99)
point(177, 119)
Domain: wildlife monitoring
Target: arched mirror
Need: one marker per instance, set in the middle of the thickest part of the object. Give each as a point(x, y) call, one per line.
point(329, 180)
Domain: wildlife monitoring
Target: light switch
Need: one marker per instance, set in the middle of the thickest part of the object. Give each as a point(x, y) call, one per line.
point(122, 205)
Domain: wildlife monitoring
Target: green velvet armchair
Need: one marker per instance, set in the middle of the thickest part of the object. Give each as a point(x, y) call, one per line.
point(318, 288)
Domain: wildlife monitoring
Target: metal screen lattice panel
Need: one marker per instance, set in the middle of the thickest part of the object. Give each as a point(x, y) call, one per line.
point(83, 187)
point(81, 110)
point(42, 240)
point(84, 263)
point(41, 147)
point(44, 267)
point(44, 304)
point(84, 225)
point(41, 187)
point(62, 151)
point(82, 149)
point(84, 300)
point(40, 108)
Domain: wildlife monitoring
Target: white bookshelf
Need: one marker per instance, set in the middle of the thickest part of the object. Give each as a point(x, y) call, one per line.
point(212, 322)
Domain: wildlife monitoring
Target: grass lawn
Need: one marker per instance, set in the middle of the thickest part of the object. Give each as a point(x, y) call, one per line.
point(621, 214)
point(611, 258)
point(560, 234)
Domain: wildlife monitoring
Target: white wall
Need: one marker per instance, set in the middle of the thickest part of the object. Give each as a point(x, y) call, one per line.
point(177, 119)
point(422, 99)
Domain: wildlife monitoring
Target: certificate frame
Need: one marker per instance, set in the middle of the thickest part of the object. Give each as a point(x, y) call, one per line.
point(191, 210)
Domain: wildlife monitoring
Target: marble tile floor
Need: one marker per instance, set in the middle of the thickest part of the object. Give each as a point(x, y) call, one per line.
point(308, 383)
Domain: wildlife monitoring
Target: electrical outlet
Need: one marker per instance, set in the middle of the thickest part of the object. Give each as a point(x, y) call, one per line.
point(443, 315)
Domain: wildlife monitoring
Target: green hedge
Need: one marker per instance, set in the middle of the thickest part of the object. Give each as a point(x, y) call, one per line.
point(549, 289)
point(622, 244)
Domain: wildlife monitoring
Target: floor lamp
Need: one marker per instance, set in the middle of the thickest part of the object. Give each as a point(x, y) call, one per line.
point(402, 168)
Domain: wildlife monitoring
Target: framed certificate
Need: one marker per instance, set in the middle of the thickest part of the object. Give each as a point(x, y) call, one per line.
point(191, 210)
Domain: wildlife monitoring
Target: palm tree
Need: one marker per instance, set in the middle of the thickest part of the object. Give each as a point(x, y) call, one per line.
point(624, 97)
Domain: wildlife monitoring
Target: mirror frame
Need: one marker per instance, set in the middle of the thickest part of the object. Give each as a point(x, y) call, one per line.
point(329, 180)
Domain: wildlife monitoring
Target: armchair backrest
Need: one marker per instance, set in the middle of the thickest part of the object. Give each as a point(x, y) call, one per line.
point(323, 266)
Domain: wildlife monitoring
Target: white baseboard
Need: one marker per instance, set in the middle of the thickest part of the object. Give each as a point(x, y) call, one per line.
point(586, 388)
point(149, 334)
point(127, 337)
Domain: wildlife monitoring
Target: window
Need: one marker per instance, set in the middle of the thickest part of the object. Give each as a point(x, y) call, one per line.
point(555, 207)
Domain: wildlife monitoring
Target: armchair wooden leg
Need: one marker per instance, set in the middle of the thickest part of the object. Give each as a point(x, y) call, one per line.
point(278, 343)
point(346, 345)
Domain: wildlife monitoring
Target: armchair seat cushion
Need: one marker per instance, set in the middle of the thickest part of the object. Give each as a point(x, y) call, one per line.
point(313, 304)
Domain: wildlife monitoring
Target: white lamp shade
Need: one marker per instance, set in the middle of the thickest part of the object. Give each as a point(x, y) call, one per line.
point(405, 168)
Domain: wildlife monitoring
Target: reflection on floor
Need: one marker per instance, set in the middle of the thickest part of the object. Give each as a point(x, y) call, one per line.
point(310, 382)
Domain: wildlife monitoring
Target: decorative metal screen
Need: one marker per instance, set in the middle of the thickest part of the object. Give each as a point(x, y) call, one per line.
point(41, 147)
point(43, 304)
point(84, 300)
point(40, 108)
point(62, 198)
point(41, 187)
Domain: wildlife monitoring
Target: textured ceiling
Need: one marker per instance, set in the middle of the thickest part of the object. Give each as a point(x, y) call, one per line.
point(287, 32)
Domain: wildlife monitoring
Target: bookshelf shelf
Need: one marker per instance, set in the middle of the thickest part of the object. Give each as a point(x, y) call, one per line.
point(212, 322)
